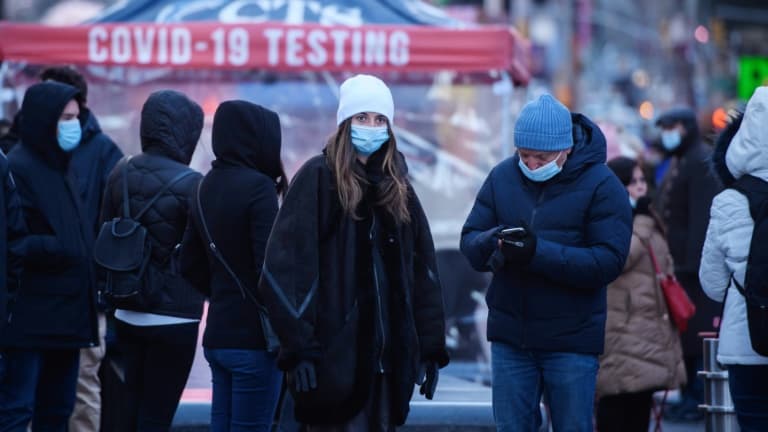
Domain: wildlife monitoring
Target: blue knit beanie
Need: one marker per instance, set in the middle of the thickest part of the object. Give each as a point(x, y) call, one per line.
point(544, 125)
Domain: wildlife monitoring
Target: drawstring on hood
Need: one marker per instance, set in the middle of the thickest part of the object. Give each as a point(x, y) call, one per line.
point(171, 124)
point(40, 113)
point(248, 135)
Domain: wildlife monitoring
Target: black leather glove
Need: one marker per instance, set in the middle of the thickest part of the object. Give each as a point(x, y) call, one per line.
point(518, 248)
point(429, 373)
point(304, 378)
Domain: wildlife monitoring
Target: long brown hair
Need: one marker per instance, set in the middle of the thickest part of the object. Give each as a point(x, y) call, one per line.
point(392, 192)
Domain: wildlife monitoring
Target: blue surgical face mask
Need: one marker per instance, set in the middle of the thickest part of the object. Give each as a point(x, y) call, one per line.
point(633, 202)
point(542, 173)
point(367, 140)
point(670, 139)
point(69, 134)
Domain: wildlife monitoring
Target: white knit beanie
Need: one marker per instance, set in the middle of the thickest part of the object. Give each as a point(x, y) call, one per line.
point(364, 93)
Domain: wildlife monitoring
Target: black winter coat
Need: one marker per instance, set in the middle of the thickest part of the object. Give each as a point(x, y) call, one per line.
point(92, 162)
point(318, 283)
point(170, 127)
point(683, 201)
point(56, 304)
point(246, 142)
point(12, 232)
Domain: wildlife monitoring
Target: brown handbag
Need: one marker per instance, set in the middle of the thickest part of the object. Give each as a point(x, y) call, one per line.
point(680, 306)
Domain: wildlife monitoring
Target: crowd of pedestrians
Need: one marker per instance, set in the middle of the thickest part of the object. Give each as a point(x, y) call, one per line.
point(325, 306)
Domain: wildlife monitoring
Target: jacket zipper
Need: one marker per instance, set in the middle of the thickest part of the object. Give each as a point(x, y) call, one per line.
point(378, 296)
point(539, 198)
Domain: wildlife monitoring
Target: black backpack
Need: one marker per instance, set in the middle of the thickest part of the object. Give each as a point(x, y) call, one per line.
point(123, 250)
point(755, 289)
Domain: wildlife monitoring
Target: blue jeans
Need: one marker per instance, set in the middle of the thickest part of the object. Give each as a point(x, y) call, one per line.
point(519, 377)
point(39, 386)
point(749, 391)
point(246, 387)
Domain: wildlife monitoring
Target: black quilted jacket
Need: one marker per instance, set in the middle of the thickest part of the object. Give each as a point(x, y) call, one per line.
point(170, 127)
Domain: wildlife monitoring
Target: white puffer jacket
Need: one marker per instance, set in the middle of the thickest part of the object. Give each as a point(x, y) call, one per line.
point(729, 234)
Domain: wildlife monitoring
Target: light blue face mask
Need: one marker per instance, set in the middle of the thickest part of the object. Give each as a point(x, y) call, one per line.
point(69, 134)
point(367, 140)
point(670, 139)
point(542, 173)
point(633, 202)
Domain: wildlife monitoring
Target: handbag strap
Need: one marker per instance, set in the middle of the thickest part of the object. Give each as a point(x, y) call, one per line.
point(217, 253)
point(653, 258)
point(656, 269)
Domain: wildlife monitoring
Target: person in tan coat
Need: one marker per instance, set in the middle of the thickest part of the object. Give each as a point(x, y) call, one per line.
point(642, 346)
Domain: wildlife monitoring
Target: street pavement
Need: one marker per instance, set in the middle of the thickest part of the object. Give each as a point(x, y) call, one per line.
point(462, 403)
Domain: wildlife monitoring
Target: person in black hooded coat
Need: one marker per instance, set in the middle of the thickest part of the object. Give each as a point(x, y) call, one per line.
point(54, 314)
point(246, 381)
point(350, 277)
point(92, 161)
point(158, 340)
point(683, 200)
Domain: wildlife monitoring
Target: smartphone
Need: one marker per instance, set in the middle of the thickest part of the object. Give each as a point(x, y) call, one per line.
point(513, 232)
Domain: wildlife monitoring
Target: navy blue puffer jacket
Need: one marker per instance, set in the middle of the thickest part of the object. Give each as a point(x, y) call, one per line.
point(583, 223)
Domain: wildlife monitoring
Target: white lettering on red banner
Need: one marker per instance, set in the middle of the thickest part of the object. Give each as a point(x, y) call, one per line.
point(267, 46)
point(284, 46)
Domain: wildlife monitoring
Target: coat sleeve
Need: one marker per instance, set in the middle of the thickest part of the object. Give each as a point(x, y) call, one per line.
point(40, 246)
point(427, 291)
point(290, 275)
point(714, 274)
point(193, 260)
point(16, 230)
point(111, 155)
point(608, 234)
point(478, 236)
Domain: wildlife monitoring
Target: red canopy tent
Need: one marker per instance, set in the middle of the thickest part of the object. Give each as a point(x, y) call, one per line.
point(452, 83)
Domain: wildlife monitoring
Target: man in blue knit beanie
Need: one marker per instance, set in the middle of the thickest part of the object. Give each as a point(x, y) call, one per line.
point(554, 225)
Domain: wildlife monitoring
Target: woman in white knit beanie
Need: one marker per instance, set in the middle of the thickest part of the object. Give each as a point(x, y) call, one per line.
point(350, 278)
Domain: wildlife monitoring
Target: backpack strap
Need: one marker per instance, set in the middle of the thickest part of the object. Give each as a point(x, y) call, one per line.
point(738, 286)
point(126, 204)
point(160, 193)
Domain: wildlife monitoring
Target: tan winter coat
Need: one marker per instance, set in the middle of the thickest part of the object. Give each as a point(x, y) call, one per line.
point(642, 347)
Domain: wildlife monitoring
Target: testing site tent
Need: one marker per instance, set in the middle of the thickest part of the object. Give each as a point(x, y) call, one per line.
point(452, 82)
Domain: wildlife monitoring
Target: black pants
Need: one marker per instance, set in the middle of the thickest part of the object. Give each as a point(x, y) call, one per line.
point(627, 412)
point(157, 363)
point(749, 390)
